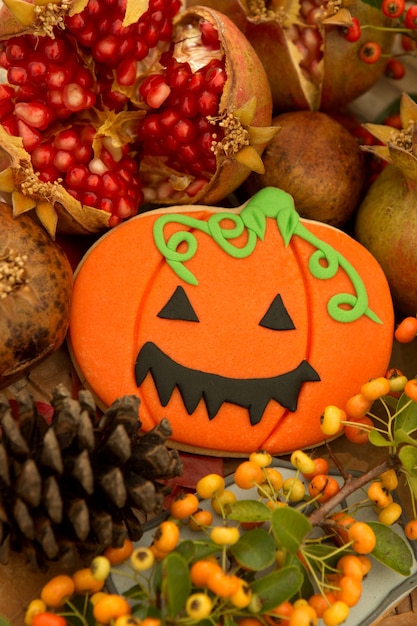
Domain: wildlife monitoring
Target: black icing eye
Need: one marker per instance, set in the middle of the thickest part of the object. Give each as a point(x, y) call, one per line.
point(277, 316)
point(178, 307)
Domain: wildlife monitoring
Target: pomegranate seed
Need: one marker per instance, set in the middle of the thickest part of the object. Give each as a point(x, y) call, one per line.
point(184, 131)
point(64, 160)
point(151, 36)
point(96, 166)
point(67, 140)
point(54, 98)
point(42, 156)
point(6, 107)
point(94, 183)
point(83, 154)
point(105, 204)
point(57, 76)
point(90, 199)
point(76, 177)
point(188, 104)
point(215, 79)
point(55, 49)
point(170, 144)
point(168, 118)
point(151, 126)
point(209, 35)
point(93, 8)
point(17, 75)
point(150, 83)
point(140, 50)
point(125, 207)
point(6, 92)
point(178, 76)
point(196, 82)
point(205, 141)
point(17, 50)
point(88, 36)
point(106, 50)
point(31, 137)
point(208, 103)
point(49, 174)
point(111, 183)
point(84, 78)
point(76, 23)
point(196, 186)
point(35, 114)
point(188, 152)
point(157, 96)
point(126, 72)
point(74, 97)
point(37, 70)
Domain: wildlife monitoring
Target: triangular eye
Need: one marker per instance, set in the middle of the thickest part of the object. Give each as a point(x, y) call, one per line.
point(178, 307)
point(277, 316)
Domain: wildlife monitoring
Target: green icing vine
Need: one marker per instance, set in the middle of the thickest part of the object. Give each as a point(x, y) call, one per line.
point(267, 203)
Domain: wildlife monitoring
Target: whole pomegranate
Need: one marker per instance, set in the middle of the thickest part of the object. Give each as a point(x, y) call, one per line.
point(113, 107)
point(386, 221)
point(317, 161)
point(35, 295)
point(310, 55)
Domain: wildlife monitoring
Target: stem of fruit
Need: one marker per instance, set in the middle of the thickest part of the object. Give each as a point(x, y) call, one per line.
point(350, 486)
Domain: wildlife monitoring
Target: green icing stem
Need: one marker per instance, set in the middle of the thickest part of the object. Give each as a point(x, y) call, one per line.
point(267, 203)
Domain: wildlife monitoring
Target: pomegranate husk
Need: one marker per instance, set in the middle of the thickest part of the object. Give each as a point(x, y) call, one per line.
point(246, 97)
point(340, 75)
point(386, 224)
point(246, 94)
point(35, 311)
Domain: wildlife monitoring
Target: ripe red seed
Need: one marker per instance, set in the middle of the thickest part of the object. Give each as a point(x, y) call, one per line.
point(393, 8)
point(352, 33)
point(209, 35)
point(410, 19)
point(208, 103)
point(35, 114)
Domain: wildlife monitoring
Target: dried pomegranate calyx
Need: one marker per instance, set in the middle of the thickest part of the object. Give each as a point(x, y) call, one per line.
point(399, 144)
point(40, 17)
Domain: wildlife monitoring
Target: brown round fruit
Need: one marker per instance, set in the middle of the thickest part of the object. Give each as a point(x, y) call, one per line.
point(317, 161)
point(35, 294)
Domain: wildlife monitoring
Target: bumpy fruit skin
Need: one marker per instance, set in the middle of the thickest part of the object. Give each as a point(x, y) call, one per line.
point(339, 76)
point(317, 161)
point(34, 314)
point(386, 224)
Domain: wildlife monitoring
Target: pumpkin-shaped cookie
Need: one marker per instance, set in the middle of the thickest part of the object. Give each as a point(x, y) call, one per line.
point(238, 325)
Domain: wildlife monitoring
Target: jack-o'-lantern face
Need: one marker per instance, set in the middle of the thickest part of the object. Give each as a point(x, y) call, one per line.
point(239, 326)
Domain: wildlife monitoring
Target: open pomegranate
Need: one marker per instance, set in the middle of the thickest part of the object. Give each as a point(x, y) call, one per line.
point(116, 107)
point(307, 48)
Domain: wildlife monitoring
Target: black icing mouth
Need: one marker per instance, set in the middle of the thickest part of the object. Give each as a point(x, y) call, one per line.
point(251, 393)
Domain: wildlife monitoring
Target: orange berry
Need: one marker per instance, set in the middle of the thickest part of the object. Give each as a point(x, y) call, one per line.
point(350, 590)
point(390, 514)
point(331, 420)
point(261, 458)
point(167, 536)
point(210, 485)
point(323, 487)
point(248, 474)
point(358, 431)
point(280, 613)
point(200, 571)
point(321, 601)
point(357, 406)
point(376, 388)
point(363, 537)
point(366, 564)
point(84, 581)
point(118, 555)
point(389, 479)
point(273, 478)
point(336, 614)
point(350, 565)
point(410, 389)
point(406, 330)
point(303, 615)
point(378, 494)
point(410, 529)
point(321, 466)
point(340, 529)
point(221, 501)
point(222, 584)
point(57, 591)
point(110, 607)
point(200, 519)
point(184, 505)
point(225, 535)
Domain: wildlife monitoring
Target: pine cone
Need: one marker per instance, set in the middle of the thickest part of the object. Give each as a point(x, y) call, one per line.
point(86, 481)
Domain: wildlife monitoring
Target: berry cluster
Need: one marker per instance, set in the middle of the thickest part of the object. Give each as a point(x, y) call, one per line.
point(246, 552)
point(404, 21)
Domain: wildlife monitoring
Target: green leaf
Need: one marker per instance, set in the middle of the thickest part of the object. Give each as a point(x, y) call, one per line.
point(406, 420)
point(391, 549)
point(249, 511)
point(408, 457)
point(255, 550)
point(377, 439)
point(254, 220)
point(400, 436)
point(176, 583)
point(277, 587)
point(306, 590)
point(136, 593)
point(287, 220)
point(289, 527)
